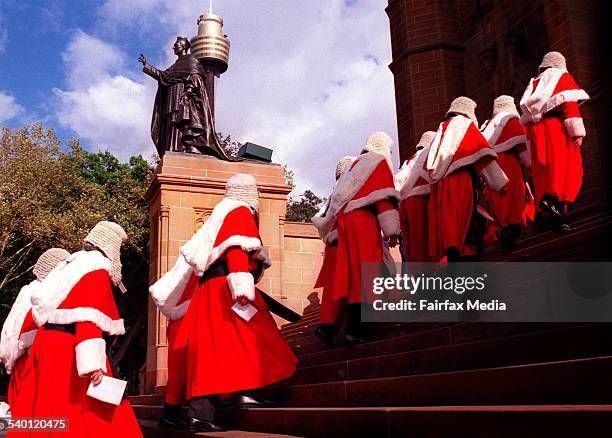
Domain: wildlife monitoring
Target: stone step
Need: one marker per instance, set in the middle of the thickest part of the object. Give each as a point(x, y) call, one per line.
point(503, 421)
point(150, 430)
point(582, 381)
point(436, 337)
point(558, 344)
point(552, 245)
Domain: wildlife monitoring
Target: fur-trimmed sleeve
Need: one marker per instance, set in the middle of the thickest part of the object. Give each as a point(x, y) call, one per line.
point(90, 349)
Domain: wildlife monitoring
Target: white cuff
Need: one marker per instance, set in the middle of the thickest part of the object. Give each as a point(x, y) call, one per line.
point(494, 176)
point(242, 284)
point(575, 127)
point(389, 222)
point(91, 356)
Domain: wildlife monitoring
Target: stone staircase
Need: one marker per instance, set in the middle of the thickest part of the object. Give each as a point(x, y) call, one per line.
point(466, 379)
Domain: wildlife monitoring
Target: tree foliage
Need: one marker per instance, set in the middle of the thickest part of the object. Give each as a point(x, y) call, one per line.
point(51, 197)
point(304, 207)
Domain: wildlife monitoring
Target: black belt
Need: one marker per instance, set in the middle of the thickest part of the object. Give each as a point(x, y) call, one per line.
point(67, 328)
point(218, 269)
point(551, 114)
point(333, 243)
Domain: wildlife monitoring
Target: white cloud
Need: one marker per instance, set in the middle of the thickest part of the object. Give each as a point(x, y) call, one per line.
point(9, 108)
point(309, 79)
point(102, 103)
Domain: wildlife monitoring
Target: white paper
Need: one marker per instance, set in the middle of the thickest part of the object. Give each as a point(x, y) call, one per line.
point(246, 312)
point(110, 390)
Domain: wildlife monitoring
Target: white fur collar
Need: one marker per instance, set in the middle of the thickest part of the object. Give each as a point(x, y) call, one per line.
point(200, 252)
point(55, 288)
point(445, 145)
point(11, 329)
point(167, 291)
point(346, 188)
point(536, 103)
point(496, 125)
point(414, 172)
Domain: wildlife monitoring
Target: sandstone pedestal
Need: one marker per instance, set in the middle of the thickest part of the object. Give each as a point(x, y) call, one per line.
point(183, 193)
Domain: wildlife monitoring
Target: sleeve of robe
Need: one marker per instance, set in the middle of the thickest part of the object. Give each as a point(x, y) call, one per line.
point(92, 291)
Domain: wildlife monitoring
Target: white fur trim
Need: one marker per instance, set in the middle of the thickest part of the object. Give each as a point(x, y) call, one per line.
point(88, 314)
point(414, 172)
point(422, 190)
point(494, 176)
point(242, 284)
point(90, 356)
point(389, 222)
point(178, 312)
point(575, 127)
point(509, 144)
point(372, 198)
point(167, 291)
point(55, 288)
point(471, 159)
point(11, 329)
point(445, 145)
point(402, 174)
point(346, 188)
point(536, 103)
point(494, 128)
point(200, 251)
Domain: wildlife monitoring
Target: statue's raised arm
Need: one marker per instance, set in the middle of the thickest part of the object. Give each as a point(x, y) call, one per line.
point(182, 119)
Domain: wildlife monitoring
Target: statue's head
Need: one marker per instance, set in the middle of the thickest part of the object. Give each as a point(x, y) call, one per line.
point(181, 46)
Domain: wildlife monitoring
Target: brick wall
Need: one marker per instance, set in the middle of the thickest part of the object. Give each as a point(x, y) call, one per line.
point(483, 48)
point(302, 259)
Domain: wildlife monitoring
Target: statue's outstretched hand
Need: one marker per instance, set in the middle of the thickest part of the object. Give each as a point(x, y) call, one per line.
point(142, 59)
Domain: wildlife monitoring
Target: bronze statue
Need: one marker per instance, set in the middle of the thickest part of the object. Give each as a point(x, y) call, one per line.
point(182, 117)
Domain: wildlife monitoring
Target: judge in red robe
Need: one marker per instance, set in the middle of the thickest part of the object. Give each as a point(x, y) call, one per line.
point(73, 307)
point(555, 132)
point(458, 155)
point(19, 333)
point(506, 136)
point(412, 181)
point(362, 206)
point(172, 294)
point(226, 353)
point(332, 309)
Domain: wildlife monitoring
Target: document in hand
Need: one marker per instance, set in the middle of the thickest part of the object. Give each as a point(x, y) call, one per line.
point(110, 390)
point(246, 312)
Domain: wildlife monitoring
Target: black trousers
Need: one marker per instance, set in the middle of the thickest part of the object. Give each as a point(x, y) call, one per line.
point(201, 408)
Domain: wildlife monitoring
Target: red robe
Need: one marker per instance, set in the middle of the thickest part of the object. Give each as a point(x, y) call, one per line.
point(18, 335)
point(552, 118)
point(331, 309)
point(226, 353)
point(413, 184)
point(369, 211)
point(506, 136)
point(462, 149)
point(79, 294)
point(176, 386)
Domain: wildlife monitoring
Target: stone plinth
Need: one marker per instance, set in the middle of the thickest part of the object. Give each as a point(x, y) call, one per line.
point(183, 193)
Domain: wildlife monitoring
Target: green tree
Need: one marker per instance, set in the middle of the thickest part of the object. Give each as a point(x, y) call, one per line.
point(304, 207)
point(53, 197)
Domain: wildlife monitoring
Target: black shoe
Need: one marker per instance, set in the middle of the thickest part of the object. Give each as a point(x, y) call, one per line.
point(352, 340)
point(324, 336)
point(172, 423)
point(196, 425)
point(244, 401)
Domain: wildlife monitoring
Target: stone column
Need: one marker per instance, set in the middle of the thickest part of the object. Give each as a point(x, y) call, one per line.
point(183, 193)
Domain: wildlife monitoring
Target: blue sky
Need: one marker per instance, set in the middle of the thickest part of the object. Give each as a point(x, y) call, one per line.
point(307, 78)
